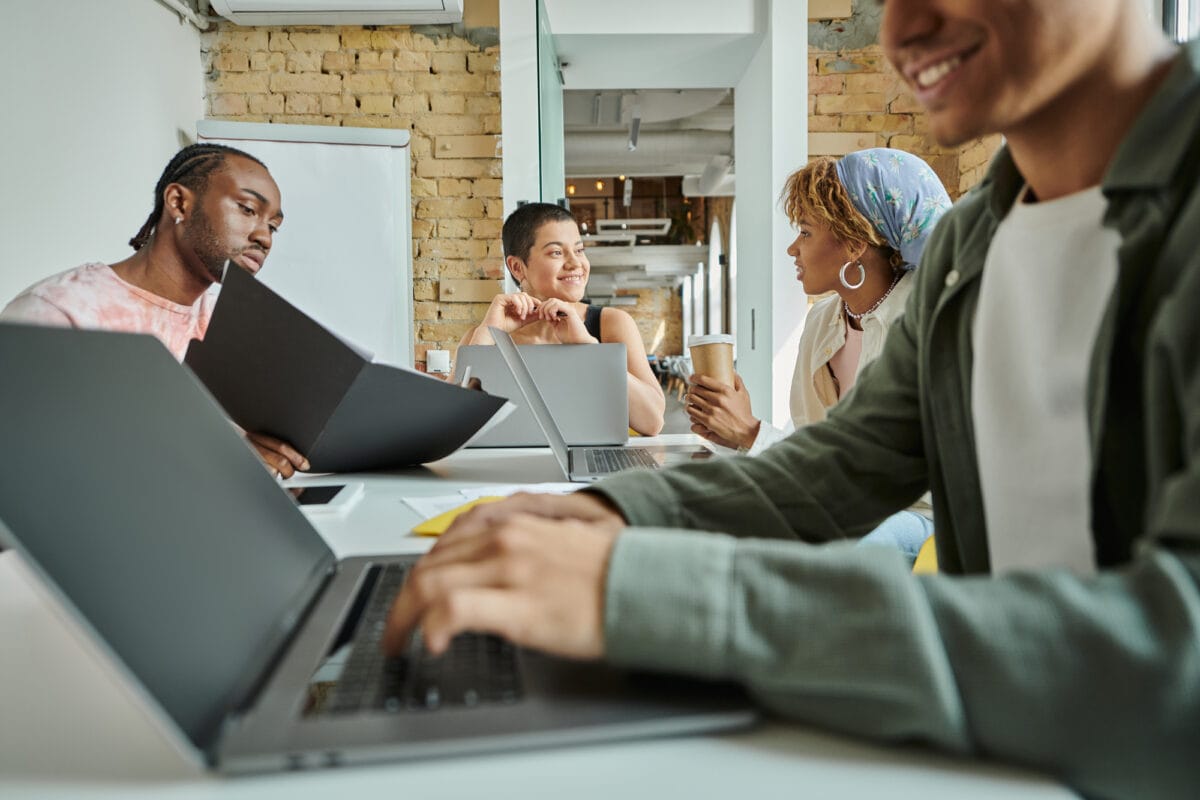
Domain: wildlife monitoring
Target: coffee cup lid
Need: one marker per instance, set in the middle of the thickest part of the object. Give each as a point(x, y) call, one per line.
point(710, 338)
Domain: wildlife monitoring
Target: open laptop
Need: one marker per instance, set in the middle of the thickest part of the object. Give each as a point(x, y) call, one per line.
point(128, 492)
point(587, 380)
point(586, 464)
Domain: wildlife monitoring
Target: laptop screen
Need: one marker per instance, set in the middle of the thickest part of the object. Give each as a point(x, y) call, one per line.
point(123, 483)
point(533, 397)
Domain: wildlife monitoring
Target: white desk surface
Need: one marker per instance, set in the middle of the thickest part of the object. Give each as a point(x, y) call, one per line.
point(69, 728)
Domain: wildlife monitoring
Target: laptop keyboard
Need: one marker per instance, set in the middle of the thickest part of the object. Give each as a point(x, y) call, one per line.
point(477, 669)
point(600, 461)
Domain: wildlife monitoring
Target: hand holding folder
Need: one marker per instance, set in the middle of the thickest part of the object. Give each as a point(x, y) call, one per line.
point(277, 371)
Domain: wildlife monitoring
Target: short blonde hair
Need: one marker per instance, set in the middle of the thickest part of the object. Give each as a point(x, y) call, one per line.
point(815, 192)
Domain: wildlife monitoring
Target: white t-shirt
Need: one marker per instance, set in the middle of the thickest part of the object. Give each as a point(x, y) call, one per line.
point(1047, 279)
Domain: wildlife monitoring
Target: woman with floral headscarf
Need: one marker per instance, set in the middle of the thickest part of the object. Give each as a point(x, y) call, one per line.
point(862, 223)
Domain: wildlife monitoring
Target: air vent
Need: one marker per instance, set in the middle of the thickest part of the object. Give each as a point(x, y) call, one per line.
point(339, 12)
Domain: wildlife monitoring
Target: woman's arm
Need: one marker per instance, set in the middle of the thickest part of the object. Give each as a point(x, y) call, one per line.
point(646, 401)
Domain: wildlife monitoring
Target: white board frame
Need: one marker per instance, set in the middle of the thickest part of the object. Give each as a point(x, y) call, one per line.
point(384, 330)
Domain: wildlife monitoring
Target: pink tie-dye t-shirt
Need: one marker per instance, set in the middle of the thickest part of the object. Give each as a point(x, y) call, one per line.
point(93, 296)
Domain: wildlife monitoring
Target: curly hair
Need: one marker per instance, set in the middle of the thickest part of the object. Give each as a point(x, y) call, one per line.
point(814, 192)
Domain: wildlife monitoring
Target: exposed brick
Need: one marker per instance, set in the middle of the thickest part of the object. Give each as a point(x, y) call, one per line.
point(373, 61)
point(841, 104)
point(491, 123)
point(304, 119)
point(403, 83)
point(302, 104)
point(434, 207)
point(483, 104)
point(237, 61)
point(424, 290)
point(447, 103)
point(391, 39)
point(375, 103)
point(272, 62)
point(374, 122)
point(905, 104)
point(424, 187)
point(442, 248)
point(337, 62)
point(304, 61)
point(281, 42)
point(440, 63)
point(338, 104)
point(356, 39)
point(486, 187)
point(486, 228)
point(423, 229)
point(315, 41)
point(410, 61)
point(462, 82)
point(826, 84)
point(483, 62)
point(836, 65)
point(228, 104)
point(424, 309)
point(454, 228)
point(240, 83)
point(454, 187)
point(443, 331)
point(883, 83)
point(457, 269)
point(492, 84)
point(452, 168)
point(494, 208)
point(441, 125)
point(823, 123)
point(315, 83)
point(412, 104)
point(266, 104)
point(371, 83)
point(243, 40)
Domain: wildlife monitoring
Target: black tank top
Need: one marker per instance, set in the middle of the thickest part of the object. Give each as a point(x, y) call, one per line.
point(591, 321)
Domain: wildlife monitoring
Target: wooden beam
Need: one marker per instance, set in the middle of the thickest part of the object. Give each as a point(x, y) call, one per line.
point(468, 291)
point(829, 9)
point(467, 147)
point(839, 144)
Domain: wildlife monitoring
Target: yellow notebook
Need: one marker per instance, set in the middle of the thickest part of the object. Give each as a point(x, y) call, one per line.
point(436, 526)
point(926, 563)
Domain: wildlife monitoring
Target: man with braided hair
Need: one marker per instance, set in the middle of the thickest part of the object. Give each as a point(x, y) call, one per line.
point(212, 204)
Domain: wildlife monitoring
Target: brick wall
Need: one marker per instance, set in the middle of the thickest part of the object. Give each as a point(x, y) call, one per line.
point(857, 91)
point(440, 82)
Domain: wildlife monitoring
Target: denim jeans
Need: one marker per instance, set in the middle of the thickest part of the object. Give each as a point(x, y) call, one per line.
point(906, 531)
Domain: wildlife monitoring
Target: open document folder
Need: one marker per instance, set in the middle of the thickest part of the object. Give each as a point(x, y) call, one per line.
point(277, 371)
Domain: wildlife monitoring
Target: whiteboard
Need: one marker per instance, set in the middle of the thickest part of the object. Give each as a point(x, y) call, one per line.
point(344, 252)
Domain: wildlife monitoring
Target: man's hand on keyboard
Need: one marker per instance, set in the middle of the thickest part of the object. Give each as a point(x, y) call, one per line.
point(535, 581)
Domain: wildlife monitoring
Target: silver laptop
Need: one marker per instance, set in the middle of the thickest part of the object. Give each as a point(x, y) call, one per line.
point(128, 492)
point(585, 386)
point(586, 464)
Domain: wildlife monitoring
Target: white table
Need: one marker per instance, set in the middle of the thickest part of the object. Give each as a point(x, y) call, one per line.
point(70, 728)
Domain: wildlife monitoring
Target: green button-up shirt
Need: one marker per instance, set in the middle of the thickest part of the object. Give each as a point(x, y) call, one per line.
point(1093, 679)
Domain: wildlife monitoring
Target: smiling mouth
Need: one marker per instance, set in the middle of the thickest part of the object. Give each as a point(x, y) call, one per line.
point(934, 73)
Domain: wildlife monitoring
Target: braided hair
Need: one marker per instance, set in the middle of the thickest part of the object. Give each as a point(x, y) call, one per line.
point(191, 167)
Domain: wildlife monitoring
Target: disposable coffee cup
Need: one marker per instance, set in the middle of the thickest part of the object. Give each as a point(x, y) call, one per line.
point(712, 356)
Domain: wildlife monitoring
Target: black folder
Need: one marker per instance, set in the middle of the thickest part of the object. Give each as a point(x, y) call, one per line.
point(277, 371)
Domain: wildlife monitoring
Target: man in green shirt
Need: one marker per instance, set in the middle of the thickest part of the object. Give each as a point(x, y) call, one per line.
point(1060, 438)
